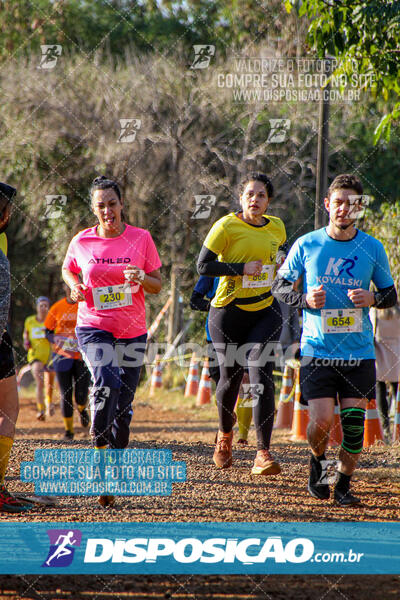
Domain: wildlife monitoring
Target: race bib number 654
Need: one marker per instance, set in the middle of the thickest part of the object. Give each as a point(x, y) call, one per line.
point(343, 320)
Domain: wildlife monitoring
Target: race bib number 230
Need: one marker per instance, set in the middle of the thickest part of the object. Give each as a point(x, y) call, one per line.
point(112, 296)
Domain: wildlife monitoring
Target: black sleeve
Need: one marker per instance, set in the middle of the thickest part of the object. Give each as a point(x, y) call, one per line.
point(50, 335)
point(198, 302)
point(282, 252)
point(385, 297)
point(207, 264)
point(5, 287)
point(282, 290)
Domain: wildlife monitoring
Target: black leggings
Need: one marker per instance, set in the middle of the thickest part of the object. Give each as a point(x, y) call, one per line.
point(244, 338)
point(72, 374)
point(214, 368)
point(381, 400)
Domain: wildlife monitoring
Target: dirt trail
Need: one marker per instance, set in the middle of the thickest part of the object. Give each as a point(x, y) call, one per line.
point(208, 494)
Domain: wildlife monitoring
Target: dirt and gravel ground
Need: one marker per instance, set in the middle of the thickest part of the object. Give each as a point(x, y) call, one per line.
point(207, 495)
point(210, 494)
point(186, 587)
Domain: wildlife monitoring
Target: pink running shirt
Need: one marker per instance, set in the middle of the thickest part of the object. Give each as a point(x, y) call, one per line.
point(101, 261)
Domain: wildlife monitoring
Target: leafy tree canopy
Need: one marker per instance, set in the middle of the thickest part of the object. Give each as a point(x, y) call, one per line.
point(146, 25)
point(365, 35)
point(87, 26)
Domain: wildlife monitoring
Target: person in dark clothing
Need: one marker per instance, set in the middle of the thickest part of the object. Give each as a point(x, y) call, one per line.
point(9, 407)
point(203, 293)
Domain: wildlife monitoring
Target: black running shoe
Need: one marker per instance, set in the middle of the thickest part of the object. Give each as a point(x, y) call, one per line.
point(345, 498)
point(85, 419)
point(68, 435)
point(10, 504)
point(317, 490)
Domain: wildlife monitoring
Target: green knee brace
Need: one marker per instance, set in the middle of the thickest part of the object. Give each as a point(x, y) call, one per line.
point(353, 429)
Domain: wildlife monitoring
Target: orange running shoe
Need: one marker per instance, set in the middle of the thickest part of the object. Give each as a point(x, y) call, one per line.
point(264, 464)
point(223, 450)
point(106, 501)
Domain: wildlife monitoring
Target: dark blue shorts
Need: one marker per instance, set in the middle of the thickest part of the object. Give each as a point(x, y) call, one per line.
point(114, 366)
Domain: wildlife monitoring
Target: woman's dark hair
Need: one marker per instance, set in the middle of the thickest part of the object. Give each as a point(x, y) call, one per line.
point(256, 176)
point(7, 194)
point(102, 183)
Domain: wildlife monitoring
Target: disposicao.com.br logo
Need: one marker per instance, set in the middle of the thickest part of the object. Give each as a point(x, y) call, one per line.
point(62, 547)
point(247, 551)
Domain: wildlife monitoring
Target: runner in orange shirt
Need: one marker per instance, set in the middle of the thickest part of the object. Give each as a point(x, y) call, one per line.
point(68, 365)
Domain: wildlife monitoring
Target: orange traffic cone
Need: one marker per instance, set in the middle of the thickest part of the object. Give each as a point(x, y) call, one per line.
point(192, 382)
point(300, 414)
point(156, 378)
point(373, 428)
point(204, 393)
point(336, 434)
point(284, 415)
point(396, 425)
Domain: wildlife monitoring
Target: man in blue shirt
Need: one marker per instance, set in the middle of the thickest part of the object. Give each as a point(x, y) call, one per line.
point(337, 265)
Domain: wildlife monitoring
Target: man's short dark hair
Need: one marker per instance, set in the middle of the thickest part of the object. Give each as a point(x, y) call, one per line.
point(346, 182)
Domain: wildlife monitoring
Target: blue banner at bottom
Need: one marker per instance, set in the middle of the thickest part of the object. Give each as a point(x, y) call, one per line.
point(199, 548)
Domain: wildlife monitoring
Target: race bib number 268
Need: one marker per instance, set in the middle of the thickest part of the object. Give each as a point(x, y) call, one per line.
point(265, 278)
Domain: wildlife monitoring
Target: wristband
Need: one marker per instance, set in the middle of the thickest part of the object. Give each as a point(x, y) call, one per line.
point(141, 275)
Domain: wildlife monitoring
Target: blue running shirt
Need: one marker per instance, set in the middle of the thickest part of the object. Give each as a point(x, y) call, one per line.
point(207, 286)
point(339, 266)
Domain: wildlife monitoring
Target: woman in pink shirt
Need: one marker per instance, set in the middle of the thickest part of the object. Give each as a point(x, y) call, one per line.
point(117, 264)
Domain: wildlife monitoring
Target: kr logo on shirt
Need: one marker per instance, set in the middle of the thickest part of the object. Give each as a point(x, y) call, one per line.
point(336, 268)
